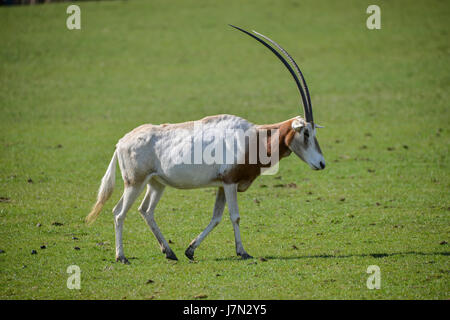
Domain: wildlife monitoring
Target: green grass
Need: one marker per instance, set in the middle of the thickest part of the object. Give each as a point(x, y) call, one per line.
point(66, 97)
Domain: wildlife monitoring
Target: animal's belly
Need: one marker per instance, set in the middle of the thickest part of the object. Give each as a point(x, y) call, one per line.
point(190, 176)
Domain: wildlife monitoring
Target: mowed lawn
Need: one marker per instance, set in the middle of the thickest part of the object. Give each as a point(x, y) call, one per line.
point(66, 97)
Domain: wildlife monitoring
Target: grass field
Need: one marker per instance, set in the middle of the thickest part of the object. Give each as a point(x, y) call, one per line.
point(66, 97)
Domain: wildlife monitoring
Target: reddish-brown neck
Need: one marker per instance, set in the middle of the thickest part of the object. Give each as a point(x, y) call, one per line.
point(285, 136)
point(244, 174)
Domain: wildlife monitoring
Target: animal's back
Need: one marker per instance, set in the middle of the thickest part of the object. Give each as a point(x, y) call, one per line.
point(168, 151)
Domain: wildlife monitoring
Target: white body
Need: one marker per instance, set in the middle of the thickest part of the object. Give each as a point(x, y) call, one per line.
point(156, 150)
point(151, 155)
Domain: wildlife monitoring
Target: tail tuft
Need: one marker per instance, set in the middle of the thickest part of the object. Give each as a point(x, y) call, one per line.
point(95, 212)
point(105, 191)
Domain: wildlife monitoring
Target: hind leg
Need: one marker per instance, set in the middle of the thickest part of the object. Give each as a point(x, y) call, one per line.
point(147, 210)
point(120, 210)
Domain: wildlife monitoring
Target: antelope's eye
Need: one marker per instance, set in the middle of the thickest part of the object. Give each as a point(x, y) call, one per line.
point(306, 133)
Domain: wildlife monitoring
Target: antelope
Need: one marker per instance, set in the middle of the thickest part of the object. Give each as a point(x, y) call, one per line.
point(152, 156)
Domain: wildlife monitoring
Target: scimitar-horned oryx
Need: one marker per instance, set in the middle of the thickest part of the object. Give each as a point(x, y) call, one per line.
point(157, 156)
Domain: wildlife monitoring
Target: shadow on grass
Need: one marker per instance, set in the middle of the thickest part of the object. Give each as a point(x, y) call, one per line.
point(337, 256)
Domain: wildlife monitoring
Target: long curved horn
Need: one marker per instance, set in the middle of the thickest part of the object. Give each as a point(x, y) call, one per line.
point(299, 72)
point(308, 115)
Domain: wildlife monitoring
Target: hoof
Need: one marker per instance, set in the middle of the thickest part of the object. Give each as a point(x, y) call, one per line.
point(245, 256)
point(123, 260)
point(189, 253)
point(171, 256)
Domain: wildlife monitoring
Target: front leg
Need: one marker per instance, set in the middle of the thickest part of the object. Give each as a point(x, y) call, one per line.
point(231, 198)
point(217, 216)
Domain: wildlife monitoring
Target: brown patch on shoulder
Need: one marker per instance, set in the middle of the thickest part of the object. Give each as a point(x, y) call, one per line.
point(246, 173)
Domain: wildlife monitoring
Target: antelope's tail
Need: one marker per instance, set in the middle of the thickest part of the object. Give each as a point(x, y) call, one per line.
point(105, 191)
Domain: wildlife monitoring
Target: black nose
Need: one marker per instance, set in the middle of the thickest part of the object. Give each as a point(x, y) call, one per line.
point(322, 165)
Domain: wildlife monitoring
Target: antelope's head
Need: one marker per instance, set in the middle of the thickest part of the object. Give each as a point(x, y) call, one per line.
point(302, 136)
point(304, 143)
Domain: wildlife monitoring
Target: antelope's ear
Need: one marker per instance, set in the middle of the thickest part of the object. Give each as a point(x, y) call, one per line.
point(297, 125)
